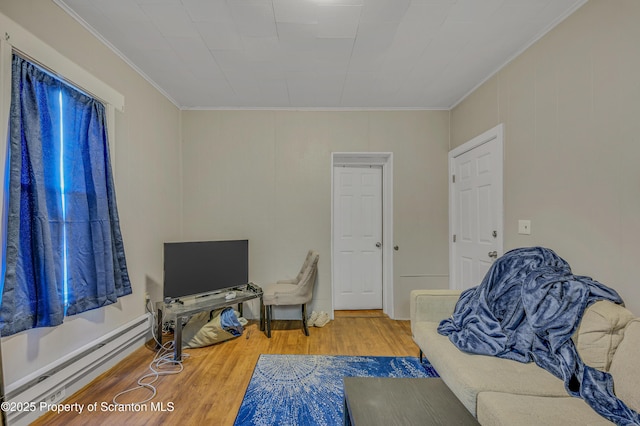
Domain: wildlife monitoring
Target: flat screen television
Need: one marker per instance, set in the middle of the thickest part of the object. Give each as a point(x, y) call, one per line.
point(198, 268)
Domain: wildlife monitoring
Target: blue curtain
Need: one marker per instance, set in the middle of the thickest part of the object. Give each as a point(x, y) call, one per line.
point(65, 253)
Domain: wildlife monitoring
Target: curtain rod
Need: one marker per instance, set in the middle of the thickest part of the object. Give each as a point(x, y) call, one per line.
point(56, 75)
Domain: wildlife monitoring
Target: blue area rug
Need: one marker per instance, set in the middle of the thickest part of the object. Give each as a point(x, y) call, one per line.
point(308, 389)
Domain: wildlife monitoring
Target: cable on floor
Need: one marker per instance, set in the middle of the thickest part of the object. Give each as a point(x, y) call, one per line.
point(162, 364)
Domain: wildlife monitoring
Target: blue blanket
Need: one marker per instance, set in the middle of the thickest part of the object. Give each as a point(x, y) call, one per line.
point(230, 323)
point(526, 309)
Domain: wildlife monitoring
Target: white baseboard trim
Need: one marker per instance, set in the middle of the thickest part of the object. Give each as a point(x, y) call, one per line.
point(53, 383)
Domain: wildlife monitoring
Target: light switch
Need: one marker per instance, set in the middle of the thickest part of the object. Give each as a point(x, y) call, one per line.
point(524, 227)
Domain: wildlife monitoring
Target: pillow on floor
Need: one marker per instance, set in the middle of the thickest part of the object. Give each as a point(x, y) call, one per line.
point(204, 329)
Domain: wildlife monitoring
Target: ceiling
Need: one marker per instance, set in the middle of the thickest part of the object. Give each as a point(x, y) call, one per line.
point(334, 54)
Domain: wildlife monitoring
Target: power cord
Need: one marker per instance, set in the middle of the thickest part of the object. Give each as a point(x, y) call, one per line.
point(158, 367)
point(162, 364)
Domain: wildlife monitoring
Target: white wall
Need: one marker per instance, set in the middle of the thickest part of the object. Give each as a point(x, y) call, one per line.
point(147, 179)
point(571, 108)
point(266, 176)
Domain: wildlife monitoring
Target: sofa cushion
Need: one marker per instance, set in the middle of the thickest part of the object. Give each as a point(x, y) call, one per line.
point(504, 409)
point(625, 367)
point(432, 305)
point(600, 332)
point(467, 374)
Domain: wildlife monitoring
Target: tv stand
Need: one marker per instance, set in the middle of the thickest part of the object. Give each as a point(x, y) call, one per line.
point(180, 311)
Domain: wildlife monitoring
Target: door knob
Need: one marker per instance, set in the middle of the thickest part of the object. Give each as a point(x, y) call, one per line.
point(493, 254)
point(378, 244)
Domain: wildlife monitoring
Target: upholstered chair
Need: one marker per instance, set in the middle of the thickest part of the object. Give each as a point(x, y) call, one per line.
point(298, 291)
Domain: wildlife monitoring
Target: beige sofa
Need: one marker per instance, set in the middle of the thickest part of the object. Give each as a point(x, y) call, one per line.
point(503, 392)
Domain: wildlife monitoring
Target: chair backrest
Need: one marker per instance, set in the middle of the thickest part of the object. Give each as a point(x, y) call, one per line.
point(308, 276)
point(309, 267)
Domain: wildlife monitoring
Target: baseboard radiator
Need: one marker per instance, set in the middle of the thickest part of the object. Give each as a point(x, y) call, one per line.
point(53, 383)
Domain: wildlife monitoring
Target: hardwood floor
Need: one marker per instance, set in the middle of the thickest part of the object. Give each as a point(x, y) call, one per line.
point(210, 388)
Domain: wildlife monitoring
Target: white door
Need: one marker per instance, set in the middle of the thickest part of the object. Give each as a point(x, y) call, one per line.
point(476, 208)
point(357, 237)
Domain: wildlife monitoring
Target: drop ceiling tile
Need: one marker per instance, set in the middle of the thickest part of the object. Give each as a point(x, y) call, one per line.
point(357, 89)
point(191, 96)
point(219, 87)
point(429, 66)
point(205, 69)
point(208, 10)
point(254, 18)
point(315, 61)
point(412, 86)
point(422, 23)
point(244, 84)
point(427, 13)
point(320, 90)
point(262, 93)
point(155, 58)
point(170, 74)
point(342, 2)
point(382, 45)
point(165, 11)
point(375, 37)
point(387, 83)
point(230, 60)
point(121, 10)
point(234, 61)
point(366, 63)
point(189, 49)
point(385, 10)
point(262, 49)
point(208, 92)
point(142, 35)
point(170, 19)
point(158, 1)
point(222, 35)
point(331, 52)
point(297, 62)
point(296, 11)
point(519, 12)
point(455, 34)
point(265, 67)
point(296, 37)
point(274, 92)
point(403, 58)
point(338, 21)
point(474, 10)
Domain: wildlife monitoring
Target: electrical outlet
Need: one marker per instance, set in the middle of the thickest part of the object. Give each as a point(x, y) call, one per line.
point(55, 396)
point(524, 227)
point(147, 301)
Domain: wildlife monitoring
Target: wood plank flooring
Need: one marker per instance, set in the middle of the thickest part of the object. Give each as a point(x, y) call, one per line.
point(210, 389)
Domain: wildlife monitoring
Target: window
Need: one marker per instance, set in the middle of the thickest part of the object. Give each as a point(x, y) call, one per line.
point(64, 251)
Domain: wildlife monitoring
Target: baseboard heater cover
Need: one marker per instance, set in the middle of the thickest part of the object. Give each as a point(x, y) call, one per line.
point(50, 383)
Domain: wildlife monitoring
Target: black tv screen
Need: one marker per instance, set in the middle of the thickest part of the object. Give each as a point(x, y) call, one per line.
point(200, 267)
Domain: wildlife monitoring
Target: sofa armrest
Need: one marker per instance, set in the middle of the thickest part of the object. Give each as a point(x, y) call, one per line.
point(432, 305)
